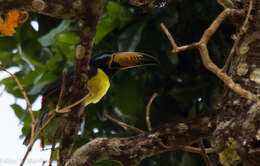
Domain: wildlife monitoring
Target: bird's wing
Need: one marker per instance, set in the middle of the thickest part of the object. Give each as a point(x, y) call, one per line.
point(55, 86)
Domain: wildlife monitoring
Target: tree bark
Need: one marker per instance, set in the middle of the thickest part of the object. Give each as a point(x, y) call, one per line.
point(68, 9)
point(79, 89)
point(238, 122)
point(130, 151)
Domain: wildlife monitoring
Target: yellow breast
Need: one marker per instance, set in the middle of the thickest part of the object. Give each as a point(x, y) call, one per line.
point(98, 86)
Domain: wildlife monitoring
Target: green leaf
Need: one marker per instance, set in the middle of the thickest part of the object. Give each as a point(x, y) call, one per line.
point(31, 50)
point(68, 51)
point(48, 39)
point(32, 77)
point(6, 58)
point(25, 32)
point(11, 86)
point(53, 63)
point(104, 27)
point(117, 17)
point(130, 38)
point(19, 111)
point(7, 44)
point(47, 77)
point(37, 88)
point(120, 14)
point(70, 38)
point(66, 42)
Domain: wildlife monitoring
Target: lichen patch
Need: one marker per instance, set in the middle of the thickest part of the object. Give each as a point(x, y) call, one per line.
point(242, 69)
point(244, 48)
point(38, 5)
point(255, 75)
point(258, 135)
point(236, 102)
point(182, 127)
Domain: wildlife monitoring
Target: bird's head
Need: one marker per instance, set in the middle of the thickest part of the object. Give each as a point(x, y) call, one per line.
point(110, 63)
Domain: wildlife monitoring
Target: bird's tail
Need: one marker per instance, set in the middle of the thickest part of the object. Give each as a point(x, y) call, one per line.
point(27, 138)
point(41, 120)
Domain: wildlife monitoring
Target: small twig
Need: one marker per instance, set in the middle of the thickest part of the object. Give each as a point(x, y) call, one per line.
point(197, 150)
point(148, 107)
point(226, 3)
point(185, 148)
point(255, 150)
point(68, 108)
point(248, 12)
point(163, 145)
point(33, 139)
point(169, 36)
point(207, 62)
point(204, 154)
point(22, 91)
point(57, 131)
point(189, 148)
point(33, 136)
point(29, 105)
point(24, 58)
point(124, 124)
point(242, 31)
point(64, 110)
point(176, 48)
point(62, 89)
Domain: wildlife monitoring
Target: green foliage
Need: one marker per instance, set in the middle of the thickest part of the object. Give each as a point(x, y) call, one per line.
point(48, 39)
point(186, 89)
point(116, 16)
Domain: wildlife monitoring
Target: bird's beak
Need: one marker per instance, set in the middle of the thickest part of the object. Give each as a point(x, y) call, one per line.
point(125, 60)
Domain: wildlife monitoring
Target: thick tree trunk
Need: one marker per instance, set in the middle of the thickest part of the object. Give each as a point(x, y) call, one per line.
point(238, 119)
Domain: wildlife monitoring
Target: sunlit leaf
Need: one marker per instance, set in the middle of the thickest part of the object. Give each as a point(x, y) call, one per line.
point(70, 38)
point(66, 42)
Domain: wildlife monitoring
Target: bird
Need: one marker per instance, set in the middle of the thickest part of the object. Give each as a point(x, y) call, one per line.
point(102, 69)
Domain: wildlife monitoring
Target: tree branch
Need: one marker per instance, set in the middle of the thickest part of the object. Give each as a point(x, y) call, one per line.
point(67, 9)
point(79, 89)
point(124, 124)
point(206, 60)
point(130, 151)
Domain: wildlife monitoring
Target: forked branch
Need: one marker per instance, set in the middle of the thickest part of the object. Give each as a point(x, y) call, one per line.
point(207, 62)
point(130, 151)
